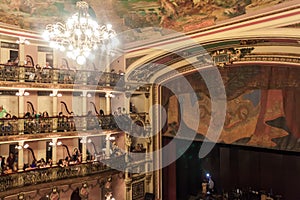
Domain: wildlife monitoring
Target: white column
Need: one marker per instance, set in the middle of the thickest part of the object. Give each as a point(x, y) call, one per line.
point(127, 102)
point(21, 54)
point(21, 112)
point(20, 157)
point(84, 141)
point(54, 108)
point(107, 150)
point(21, 104)
point(84, 109)
point(55, 64)
point(54, 151)
point(108, 103)
point(54, 112)
point(84, 102)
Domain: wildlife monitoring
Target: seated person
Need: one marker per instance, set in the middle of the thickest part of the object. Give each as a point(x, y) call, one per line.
point(47, 66)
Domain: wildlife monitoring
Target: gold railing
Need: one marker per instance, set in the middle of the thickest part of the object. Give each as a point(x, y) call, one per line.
point(59, 76)
point(39, 124)
point(43, 175)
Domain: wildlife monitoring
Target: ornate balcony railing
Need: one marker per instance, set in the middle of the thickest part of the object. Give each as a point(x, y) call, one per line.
point(59, 76)
point(50, 174)
point(39, 124)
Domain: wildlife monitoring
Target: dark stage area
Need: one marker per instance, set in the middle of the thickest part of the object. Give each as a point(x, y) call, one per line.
point(232, 167)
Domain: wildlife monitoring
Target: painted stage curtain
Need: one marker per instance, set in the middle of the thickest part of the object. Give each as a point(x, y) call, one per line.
point(291, 105)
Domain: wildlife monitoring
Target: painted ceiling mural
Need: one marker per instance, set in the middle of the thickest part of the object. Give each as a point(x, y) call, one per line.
point(179, 15)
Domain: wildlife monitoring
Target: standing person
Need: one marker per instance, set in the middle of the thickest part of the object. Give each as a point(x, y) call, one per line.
point(2, 112)
point(11, 160)
point(2, 164)
point(211, 184)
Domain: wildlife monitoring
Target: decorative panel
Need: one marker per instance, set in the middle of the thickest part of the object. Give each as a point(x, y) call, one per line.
point(138, 190)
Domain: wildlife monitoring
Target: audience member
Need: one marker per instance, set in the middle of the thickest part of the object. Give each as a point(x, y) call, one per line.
point(2, 165)
point(11, 160)
point(2, 112)
point(47, 66)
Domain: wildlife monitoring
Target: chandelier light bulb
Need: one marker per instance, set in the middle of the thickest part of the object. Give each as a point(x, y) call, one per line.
point(46, 36)
point(69, 54)
point(62, 48)
point(81, 60)
point(109, 27)
point(95, 47)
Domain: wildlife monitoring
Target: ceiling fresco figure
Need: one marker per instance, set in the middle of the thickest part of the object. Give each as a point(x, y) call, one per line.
point(185, 15)
point(178, 15)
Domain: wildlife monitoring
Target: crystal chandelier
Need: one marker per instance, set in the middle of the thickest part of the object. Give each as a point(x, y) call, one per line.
point(80, 35)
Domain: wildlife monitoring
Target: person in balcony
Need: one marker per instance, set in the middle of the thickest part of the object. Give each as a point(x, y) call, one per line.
point(38, 72)
point(9, 62)
point(41, 163)
point(49, 163)
point(101, 112)
point(28, 63)
point(33, 164)
point(47, 66)
point(15, 126)
point(7, 125)
point(71, 122)
point(75, 155)
point(11, 160)
point(2, 112)
point(2, 165)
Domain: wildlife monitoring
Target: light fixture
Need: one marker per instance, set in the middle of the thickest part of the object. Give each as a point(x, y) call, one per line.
point(110, 138)
point(55, 143)
point(110, 95)
point(26, 146)
point(22, 93)
point(88, 95)
point(81, 35)
point(20, 146)
point(22, 40)
point(55, 94)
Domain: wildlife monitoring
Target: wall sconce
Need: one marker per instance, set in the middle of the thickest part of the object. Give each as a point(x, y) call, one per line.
point(110, 138)
point(22, 40)
point(55, 143)
point(26, 146)
point(22, 93)
point(88, 95)
point(55, 94)
point(20, 146)
point(110, 95)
